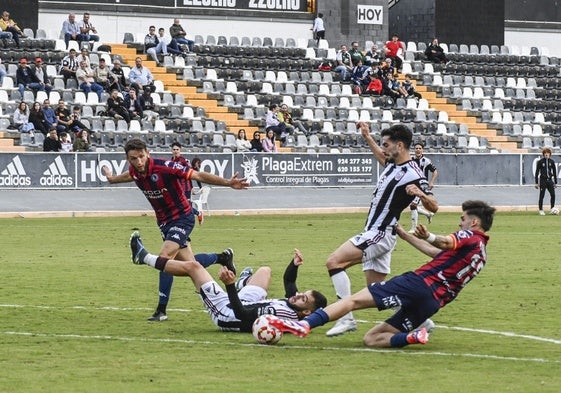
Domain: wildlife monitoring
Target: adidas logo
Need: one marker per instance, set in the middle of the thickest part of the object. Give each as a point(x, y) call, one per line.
point(14, 174)
point(56, 175)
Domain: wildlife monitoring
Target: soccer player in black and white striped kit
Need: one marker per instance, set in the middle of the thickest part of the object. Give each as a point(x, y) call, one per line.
point(428, 168)
point(401, 181)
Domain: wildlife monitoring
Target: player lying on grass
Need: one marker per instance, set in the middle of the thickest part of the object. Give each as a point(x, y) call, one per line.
point(231, 310)
point(456, 259)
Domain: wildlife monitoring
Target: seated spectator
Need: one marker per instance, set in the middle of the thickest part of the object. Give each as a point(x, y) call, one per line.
point(21, 119)
point(132, 103)
point(178, 33)
point(85, 77)
point(5, 36)
point(172, 45)
point(360, 76)
point(435, 52)
point(344, 63)
point(121, 81)
point(65, 143)
point(8, 25)
point(41, 74)
point(116, 107)
point(76, 125)
point(153, 46)
point(355, 53)
point(82, 141)
point(375, 87)
point(149, 112)
point(242, 143)
point(140, 77)
point(392, 50)
point(84, 56)
point(372, 56)
point(409, 88)
point(286, 117)
point(392, 88)
point(64, 118)
point(51, 142)
point(87, 31)
point(256, 144)
point(268, 143)
point(37, 117)
point(71, 30)
point(69, 65)
point(103, 76)
point(25, 78)
point(50, 118)
point(273, 123)
point(386, 68)
point(3, 73)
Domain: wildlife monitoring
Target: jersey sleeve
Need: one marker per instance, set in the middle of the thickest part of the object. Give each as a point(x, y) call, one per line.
point(289, 279)
point(242, 313)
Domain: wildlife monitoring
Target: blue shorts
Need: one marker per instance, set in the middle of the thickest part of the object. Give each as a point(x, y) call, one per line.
point(178, 231)
point(411, 295)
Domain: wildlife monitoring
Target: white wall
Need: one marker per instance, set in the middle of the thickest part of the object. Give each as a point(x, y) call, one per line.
point(112, 28)
point(549, 40)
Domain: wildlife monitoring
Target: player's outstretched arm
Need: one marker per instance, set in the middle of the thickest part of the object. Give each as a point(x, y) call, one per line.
point(233, 182)
point(374, 148)
point(124, 177)
point(420, 244)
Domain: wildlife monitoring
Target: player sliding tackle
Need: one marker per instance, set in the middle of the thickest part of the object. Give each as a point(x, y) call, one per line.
point(456, 259)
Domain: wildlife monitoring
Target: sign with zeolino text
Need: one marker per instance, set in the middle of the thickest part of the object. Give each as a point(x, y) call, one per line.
point(253, 5)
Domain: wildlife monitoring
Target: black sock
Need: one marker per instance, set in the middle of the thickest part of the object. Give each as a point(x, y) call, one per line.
point(161, 263)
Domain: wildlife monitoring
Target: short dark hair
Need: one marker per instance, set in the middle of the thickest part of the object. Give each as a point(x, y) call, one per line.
point(320, 299)
point(399, 133)
point(481, 210)
point(134, 144)
point(176, 144)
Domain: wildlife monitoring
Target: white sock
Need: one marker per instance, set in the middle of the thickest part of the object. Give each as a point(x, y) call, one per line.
point(150, 260)
point(414, 219)
point(342, 285)
point(423, 211)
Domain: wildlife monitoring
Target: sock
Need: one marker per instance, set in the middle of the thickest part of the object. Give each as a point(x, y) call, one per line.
point(342, 285)
point(317, 318)
point(414, 218)
point(154, 260)
point(207, 259)
point(423, 211)
point(166, 281)
point(399, 340)
point(162, 308)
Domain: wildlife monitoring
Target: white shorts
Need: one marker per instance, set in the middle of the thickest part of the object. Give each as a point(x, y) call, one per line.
point(216, 301)
point(377, 247)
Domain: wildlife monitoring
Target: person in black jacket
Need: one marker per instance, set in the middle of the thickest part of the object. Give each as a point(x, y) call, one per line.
point(546, 179)
point(231, 310)
point(435, 52)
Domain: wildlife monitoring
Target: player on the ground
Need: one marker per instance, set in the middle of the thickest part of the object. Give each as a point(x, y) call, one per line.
point(427, 167)
point(231, 310)
point(401, 181)
point(456, 259)
point(161, 182)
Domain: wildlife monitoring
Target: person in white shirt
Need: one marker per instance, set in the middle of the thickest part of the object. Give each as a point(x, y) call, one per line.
point(319, 28)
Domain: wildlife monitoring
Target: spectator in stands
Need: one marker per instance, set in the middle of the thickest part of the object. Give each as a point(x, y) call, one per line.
point(372, 57)
point(273, 123)
point(360, 76)
point(8, 25)
point(82, 141)
point(85, 77)
point(319, 28)
point(242, 143)
point(21, 118)
point(65, 143)
point(121, 81)
point(256, 144)
point(392, 87)
point(132, 103)
point(344, 63)
point(103, 75)
point(355, 53)
point(178, 33)
point(286, 117)
point(409, 88)
point(153, 46)
point(435, 52)
point(87, 28)
point(546, 179)
point(268, 143)
point(5, 36)
point(25, 78)
point(51, 142)
point(140, 77)
point(49, 115)
point(171, 43)
point(84, 56)
point(41, 75)
point(376, 86)
point(37, 117)
point(392, 50)
point(116, 107)
point(76, 126)
point(69, 65)
point(64, 119)
point(71, 30)
point(386, 68)
point(3, 73)
point(149, 112)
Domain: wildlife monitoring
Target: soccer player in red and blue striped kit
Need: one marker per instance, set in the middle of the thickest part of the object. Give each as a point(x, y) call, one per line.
point(456, 259)
point(162, 183)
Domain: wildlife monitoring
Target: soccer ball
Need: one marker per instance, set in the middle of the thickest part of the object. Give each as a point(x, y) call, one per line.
point(554, 211)
point(264, 332)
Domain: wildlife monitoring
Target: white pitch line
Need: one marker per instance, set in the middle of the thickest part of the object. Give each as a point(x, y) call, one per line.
point(438, 326)
point(284, 347)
